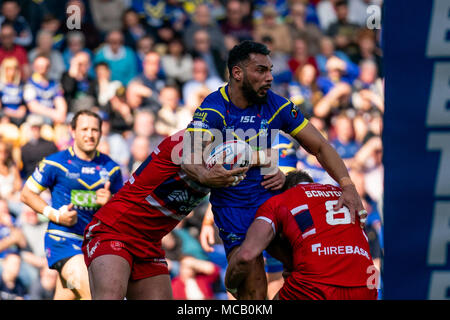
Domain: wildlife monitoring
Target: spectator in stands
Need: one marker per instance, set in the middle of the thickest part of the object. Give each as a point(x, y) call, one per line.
point(36, 148)
point(202, 20)
point(143, 90)
point(278, 31)
point(144, 125)
point(157, 12)
point(104, 89)
point(177, 63)
point(10, 181)
point(43, 288)
point(234, 24)
point(299, 27)
point(77, 84)
point(44, 96)
point(10, 49)
point(11, 242)
point(344, 143)
point(140, 150)
point(75, 43)
point(342, 30)
point(171, 117)
point(368, 88)
point(121, 59)
point(327, 50)
point(303, 90)
point(195, 280)
point(107, 15)
point(200, 79)
point(300, 56)
point(368, 50)
point(11, 91)
point(133, 29)
point(144, 45)
point(52, 25)
point(340, 74)
point(44, 47)
point(202, 49)
point(10, 14)
point(282, 75)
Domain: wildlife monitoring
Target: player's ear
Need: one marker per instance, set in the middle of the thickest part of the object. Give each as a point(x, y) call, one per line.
point(237, 73)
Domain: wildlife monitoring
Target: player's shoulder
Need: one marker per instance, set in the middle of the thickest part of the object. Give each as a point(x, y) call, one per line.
point(215, 100)
point(275, 100)
point(59, 156)
point(106, 160)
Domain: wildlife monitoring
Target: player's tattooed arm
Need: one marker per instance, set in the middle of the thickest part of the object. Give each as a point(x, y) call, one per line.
point(195, 146)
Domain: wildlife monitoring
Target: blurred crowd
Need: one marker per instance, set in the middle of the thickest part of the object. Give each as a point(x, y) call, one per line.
point(145, 65)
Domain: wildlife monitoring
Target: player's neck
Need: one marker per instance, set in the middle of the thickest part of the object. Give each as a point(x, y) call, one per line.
point(236, 97)
point(83, 155)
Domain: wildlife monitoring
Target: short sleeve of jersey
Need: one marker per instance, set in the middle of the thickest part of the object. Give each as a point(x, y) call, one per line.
point(43, 176)
point(207, 118)
point(292, 119)
point(266, 212)
point(29, 93)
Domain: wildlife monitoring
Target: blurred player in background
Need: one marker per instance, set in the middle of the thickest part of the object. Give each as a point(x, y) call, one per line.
point(247, 105)
point(80, 180)
point(331, 258)
point(122, 246)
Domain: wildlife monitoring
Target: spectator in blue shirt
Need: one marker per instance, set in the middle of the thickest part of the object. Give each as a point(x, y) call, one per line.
point(121, 59)
point(44, 96)
point(345, 143)
point(10, 13)
point(11, 91)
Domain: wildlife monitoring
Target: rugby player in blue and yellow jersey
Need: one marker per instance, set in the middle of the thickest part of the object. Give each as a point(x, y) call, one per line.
point(247, 109)
point(80, 180)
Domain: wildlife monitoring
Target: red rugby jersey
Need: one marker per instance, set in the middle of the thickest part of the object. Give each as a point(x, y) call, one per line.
point(327, 247)
point(158, 194)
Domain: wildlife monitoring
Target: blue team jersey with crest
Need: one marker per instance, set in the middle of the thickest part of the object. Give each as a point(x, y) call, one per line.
point(44, 94)
point(258, 125)
point(11, 96)
point(72, 180)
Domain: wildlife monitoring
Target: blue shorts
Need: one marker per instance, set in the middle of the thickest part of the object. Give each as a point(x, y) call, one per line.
point(231, 240)
point(58, 248)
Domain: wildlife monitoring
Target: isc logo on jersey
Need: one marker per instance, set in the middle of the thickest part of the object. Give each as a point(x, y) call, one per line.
point(248, 119)
point(88, 170)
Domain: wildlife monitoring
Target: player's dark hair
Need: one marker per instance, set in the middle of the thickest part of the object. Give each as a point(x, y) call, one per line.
point(295, 177)
point(85, 112)
point(241, 52)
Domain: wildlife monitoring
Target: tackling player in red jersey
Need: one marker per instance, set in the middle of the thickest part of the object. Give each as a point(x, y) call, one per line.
point(122, 244)
point(330, 255)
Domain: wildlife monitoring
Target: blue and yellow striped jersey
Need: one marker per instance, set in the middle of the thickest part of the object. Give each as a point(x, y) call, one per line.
point(72, 180)
point(258, 125)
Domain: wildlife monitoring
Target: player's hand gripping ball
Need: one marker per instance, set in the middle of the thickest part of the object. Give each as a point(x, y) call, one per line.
point(231, 154)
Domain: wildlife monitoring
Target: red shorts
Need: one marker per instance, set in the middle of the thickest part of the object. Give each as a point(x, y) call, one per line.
point(146, 258)
point(294, 290)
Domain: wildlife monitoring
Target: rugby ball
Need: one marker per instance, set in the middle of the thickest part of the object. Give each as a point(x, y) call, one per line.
point(231, 154)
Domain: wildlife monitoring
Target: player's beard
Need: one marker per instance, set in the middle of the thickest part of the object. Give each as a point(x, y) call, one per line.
point(250, 94)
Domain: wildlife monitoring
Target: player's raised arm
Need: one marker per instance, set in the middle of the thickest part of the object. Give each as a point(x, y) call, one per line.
point(195, 144)
point(311, 139)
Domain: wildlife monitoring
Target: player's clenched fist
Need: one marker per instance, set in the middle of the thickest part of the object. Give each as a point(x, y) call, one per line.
point(65, 215)
point(103, 194)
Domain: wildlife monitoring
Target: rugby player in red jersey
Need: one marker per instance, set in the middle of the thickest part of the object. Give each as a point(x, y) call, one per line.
point(122, 244)
point(330, 255)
